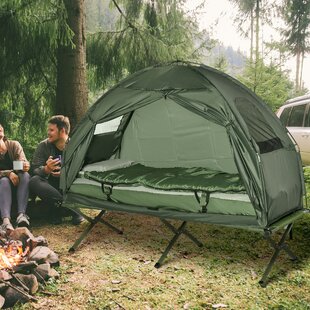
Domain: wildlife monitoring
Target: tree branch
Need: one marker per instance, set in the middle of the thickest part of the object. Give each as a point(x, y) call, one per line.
point(125, 17)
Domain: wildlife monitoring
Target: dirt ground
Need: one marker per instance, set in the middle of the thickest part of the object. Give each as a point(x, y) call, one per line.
point(114, 271)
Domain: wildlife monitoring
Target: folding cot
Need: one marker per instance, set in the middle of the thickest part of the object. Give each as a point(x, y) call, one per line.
point(184, 141)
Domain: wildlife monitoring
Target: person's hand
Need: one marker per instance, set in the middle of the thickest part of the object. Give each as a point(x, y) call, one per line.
point(26, 166)
point(14, 178)
point(52, 166)
point(56, 173)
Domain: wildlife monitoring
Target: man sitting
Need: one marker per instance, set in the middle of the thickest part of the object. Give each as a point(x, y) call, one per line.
point(46, 166)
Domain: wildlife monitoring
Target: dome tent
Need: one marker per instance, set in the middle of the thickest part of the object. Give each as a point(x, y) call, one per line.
point(188, 115)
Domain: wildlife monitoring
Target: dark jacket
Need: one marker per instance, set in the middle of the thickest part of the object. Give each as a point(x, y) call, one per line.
point(44, 150)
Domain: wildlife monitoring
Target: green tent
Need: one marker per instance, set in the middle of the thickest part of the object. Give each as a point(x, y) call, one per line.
point(184, 115)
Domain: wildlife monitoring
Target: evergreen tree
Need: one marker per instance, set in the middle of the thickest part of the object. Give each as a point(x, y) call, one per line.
point(247, 9)
point(271, 83)
point(297, 18)
point(146, 33)
point(221, 63)
point(30, 31)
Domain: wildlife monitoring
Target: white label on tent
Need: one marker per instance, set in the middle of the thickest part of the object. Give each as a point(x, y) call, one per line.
point(108, 126)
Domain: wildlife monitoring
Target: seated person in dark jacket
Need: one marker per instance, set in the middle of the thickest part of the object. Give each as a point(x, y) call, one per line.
point(46, 166)
point(12, 151)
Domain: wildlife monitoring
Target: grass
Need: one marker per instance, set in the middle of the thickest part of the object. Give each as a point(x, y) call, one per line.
point(112, 271)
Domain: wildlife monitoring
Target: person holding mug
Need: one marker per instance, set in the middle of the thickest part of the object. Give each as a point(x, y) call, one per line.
point(12, 156)
point(46, 164)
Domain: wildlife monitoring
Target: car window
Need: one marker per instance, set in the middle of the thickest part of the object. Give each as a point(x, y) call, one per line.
point(284, 115)
point(297, 116)
point(307, 118)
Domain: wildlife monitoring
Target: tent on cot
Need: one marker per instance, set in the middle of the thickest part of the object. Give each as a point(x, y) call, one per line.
point(185, 141)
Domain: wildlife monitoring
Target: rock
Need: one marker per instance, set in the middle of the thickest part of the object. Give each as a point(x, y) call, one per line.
point(3, 286)
point(2, 301)
point(42, 272)
point(53, 259)
point(53, 274)
point(43, 254)
point(28, 280)
point(40, 241)
point(40, 254)
point(12, 296)
point(25, 267)
point(21, 233)
point(4, 275)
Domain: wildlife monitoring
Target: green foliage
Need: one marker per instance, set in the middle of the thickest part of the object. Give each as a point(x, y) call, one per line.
point(307, 181)
point(30, 31)
point(297, 18)
point(221, 63)
point(145, 34)
point(268, 82)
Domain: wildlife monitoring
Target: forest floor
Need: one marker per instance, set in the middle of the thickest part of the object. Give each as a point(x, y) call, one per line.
point(113, 271)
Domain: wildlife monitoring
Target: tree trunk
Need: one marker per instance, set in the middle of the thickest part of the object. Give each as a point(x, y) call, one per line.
point(252, 36)
point(301, 70)
point(257, 11)
point(71, 90)
point(297, 71)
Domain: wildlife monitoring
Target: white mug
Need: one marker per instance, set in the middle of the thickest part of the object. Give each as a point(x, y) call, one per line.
point(18, 165)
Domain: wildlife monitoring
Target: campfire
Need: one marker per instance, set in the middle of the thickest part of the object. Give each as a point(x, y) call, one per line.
point(25, 262)
point(11, 254)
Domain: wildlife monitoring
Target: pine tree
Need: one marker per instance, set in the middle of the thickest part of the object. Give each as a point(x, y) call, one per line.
point(297, 17)
point(146, 33)
point(30, 31)
point(270, 83)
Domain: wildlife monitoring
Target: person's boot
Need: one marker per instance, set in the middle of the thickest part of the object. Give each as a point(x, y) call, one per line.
point(22, 220)
point(77, 218)
point(7, 225)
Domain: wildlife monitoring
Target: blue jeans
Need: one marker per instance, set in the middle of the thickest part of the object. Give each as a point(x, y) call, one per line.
point(22, 193)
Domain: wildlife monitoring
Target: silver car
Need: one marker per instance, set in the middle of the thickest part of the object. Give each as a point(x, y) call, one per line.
point(295, 115)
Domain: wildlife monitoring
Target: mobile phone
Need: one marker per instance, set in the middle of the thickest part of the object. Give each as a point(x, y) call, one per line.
point(59, 158)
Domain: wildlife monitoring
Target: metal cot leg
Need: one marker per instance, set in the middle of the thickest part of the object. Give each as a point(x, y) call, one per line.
point(177, 233)
point(93, 222)
point(278, 247)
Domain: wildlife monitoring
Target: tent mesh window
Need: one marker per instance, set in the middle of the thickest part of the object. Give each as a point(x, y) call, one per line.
point(262, 133)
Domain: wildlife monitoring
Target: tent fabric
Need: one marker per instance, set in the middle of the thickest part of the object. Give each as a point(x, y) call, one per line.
point(221, 100)
point(183, 139)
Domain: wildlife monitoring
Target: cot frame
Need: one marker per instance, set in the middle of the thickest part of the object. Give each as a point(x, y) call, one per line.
point(104, 206)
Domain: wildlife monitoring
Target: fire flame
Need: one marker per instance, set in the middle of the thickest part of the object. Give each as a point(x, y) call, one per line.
point(11, 255)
